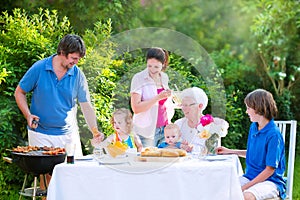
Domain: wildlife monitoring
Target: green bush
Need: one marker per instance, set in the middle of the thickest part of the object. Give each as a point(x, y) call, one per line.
point(237, 119)
point(98, 67)
point(26, 39)
point(23, 40)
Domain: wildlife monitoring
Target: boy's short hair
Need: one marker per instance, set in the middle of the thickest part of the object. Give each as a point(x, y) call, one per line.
point(262, 102)
point(173, 126)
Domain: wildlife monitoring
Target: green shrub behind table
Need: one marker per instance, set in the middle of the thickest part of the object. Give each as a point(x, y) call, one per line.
point(98, 67)
point(24, 40)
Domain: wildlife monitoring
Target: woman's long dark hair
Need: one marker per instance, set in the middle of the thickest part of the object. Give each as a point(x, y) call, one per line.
point(159, 54)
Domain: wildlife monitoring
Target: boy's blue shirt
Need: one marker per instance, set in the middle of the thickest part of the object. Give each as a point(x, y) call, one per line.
point(265, 147)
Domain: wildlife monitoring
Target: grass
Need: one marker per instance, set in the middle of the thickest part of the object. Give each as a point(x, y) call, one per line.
point(296, 186)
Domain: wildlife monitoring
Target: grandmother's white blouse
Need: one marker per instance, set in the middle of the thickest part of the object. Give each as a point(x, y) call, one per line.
point(189, 134)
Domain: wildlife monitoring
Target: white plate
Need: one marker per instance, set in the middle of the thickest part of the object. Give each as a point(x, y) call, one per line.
point(108, 160)
point(216, 158)
point(159, 159)
point(87, 157)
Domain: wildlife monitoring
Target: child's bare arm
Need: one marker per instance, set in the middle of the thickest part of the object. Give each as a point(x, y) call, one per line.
point(185, 146)
point(138, 143)
point(264, 175)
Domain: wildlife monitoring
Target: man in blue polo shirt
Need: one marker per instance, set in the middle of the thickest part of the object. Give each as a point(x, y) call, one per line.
point(57, 84)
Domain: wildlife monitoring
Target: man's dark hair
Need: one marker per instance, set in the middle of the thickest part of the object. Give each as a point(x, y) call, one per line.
point(71, 44)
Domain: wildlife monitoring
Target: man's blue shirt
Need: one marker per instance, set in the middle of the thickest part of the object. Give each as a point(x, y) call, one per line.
point(53, 100)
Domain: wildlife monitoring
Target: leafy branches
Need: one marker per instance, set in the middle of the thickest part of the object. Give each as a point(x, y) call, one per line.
point(276, 30)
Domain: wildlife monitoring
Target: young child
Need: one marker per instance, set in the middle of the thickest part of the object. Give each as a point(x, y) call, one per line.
point(122, 123)
point(172, 136)
point(265, 160)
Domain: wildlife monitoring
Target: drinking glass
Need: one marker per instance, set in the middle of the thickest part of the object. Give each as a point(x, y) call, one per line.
point(98, 153)
point(70, 150)
point(176, 97)
point(199, 151)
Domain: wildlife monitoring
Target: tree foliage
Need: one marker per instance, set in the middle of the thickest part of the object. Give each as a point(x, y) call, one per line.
point(276, 32)
point(24, 39)
point(98, 67)
point(214, 23)
point(254, 44)
point(83, 14)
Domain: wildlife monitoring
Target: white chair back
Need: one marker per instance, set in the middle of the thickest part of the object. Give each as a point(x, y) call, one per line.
point(282, 125)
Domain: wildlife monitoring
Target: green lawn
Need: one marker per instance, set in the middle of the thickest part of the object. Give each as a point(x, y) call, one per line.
point(296, 188)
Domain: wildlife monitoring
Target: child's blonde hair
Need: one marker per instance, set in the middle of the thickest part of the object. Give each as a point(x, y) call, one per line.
point(173, 126)
point(128, 117)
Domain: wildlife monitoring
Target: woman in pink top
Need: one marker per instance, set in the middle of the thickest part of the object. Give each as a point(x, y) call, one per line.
point(151, 98)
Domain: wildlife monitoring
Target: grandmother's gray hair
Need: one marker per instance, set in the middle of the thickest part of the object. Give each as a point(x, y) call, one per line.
point(197, 94)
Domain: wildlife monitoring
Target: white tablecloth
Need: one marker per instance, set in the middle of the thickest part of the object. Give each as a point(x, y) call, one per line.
point(187, 180)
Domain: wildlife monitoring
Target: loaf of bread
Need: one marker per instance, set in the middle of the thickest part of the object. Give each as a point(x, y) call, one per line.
point(169, 153)
point(156, 152)
point(181, 152)
point(151, 151)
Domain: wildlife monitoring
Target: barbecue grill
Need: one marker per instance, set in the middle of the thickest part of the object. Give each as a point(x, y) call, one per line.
point(35, 162)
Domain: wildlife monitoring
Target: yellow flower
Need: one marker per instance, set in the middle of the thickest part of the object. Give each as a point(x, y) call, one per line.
point(205, 134)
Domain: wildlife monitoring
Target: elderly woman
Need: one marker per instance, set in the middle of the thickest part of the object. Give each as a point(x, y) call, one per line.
point(194, 102)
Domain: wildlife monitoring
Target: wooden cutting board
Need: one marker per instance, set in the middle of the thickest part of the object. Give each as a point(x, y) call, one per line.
point(159, 159)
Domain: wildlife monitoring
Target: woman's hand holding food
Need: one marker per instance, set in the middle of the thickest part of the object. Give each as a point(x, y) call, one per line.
point(164, 94)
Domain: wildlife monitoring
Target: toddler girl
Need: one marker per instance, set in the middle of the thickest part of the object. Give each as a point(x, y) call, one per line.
point(122, 123)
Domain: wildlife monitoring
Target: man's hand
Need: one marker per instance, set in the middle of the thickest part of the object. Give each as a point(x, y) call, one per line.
point(98, 137)
point(33, 121)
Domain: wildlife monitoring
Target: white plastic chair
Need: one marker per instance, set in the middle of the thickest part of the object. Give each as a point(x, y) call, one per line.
point(282, 125)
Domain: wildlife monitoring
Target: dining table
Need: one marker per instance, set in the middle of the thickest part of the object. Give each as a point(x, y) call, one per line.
point(212, 177)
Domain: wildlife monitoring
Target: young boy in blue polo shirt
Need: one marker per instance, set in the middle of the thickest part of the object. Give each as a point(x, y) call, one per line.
point(265, 158)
